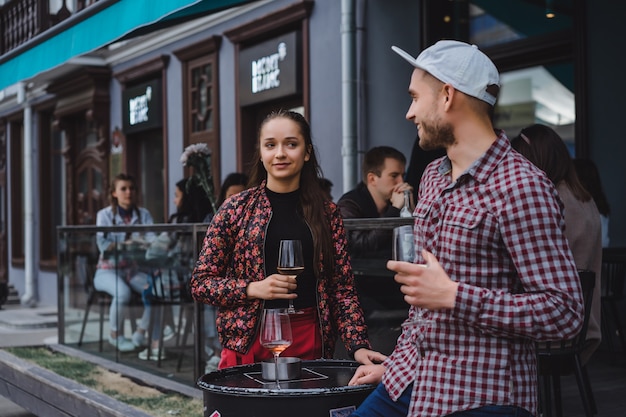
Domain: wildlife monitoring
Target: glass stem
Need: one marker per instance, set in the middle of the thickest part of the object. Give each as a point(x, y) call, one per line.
point(276, 370)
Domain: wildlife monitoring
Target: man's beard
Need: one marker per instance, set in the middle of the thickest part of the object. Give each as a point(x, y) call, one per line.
point(436, 136)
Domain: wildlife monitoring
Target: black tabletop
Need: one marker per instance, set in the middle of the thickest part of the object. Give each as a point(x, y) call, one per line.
point(317, 377)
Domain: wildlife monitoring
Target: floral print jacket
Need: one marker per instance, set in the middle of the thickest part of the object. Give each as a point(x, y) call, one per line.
point(232, 257)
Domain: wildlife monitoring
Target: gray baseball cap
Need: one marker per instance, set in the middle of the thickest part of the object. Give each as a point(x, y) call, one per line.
point(459, 64)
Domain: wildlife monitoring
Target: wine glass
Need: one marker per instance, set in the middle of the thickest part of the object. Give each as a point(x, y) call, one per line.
point(290, 262)
point(275, 334)
point(403, 245)
point(404, 250)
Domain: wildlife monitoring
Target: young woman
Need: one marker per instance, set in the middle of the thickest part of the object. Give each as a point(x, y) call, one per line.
point(192, 204)
point(236, 269)
point(117, 274)
point(234, 183)
point(542, 146)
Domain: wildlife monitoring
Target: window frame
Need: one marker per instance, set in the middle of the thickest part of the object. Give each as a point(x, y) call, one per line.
point(193, 57)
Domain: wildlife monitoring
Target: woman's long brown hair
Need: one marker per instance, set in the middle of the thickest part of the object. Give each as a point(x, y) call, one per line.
point(542, 146)
point(312, 196)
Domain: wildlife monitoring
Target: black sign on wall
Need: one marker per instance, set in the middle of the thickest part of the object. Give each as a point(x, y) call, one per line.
point(141, 107)
point(270, 69)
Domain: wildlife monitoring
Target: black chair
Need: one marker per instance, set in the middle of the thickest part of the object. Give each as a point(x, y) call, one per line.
point(166, 292)
point(558, 358)
point(613, 280)
point(103, 300)
point(186, 315)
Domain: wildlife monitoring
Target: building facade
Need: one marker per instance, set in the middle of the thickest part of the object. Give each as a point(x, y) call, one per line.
point(201, 73)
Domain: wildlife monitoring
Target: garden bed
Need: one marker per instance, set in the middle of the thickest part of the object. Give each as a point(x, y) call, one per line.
point(49, 382)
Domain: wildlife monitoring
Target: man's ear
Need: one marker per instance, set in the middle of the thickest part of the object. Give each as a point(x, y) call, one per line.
point(447, 94)
point(370, 177)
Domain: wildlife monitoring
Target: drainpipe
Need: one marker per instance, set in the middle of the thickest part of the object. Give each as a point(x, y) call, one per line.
point(348, 94)
point(29, 297)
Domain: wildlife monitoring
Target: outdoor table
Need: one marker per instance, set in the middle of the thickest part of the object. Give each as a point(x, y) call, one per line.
point(321, 390)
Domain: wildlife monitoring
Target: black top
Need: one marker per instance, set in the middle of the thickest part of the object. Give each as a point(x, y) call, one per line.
point(288, 223)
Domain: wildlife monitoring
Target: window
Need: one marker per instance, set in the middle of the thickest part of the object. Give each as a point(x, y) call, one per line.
point(200, 96)
point(538, 94)
point(537, 82)
point(534, 54)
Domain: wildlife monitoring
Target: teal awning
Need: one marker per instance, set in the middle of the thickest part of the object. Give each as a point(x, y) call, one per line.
point(115, 20)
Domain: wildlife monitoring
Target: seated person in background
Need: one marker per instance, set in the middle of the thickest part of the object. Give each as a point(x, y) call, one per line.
point(234, 183)
point(380, 194)
point(192, 206)
point(544, 148)
point(590, 179)
point(115, 274)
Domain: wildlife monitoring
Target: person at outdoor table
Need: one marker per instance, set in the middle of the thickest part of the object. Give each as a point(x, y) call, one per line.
point(175, 252)
point(234, 183)
point(236, 269)
point(494, 273)
point(117, 274)
point(379, 194)
point(545, 148)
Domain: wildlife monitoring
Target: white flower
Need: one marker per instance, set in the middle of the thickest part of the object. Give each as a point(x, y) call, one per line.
point(198, 157)
point(199, 149)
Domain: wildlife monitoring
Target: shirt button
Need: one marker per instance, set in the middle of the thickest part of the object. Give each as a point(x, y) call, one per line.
point(434, 220)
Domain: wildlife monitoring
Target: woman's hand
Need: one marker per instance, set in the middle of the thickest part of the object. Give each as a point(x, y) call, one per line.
point(367, 374)
point(274, 287)
point(368, 357)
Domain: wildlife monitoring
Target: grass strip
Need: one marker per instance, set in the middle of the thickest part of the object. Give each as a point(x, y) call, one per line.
point(114, 385)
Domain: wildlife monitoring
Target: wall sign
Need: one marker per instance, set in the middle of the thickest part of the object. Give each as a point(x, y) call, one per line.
point(270, 70)
point(141, 106)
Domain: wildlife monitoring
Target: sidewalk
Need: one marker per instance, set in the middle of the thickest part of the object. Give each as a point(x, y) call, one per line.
point(24, 326)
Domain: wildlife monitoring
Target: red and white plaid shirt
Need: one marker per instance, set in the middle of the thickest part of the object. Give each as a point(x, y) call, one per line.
point(498, 232)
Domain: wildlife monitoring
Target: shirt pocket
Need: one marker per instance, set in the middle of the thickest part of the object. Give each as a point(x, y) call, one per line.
point(421, 211)
point(468, 218)
point(468, 233)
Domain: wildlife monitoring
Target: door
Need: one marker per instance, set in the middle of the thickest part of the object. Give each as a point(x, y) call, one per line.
point(145, 163)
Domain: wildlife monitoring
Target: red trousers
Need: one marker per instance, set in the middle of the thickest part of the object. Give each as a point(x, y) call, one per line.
point(306, 345)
